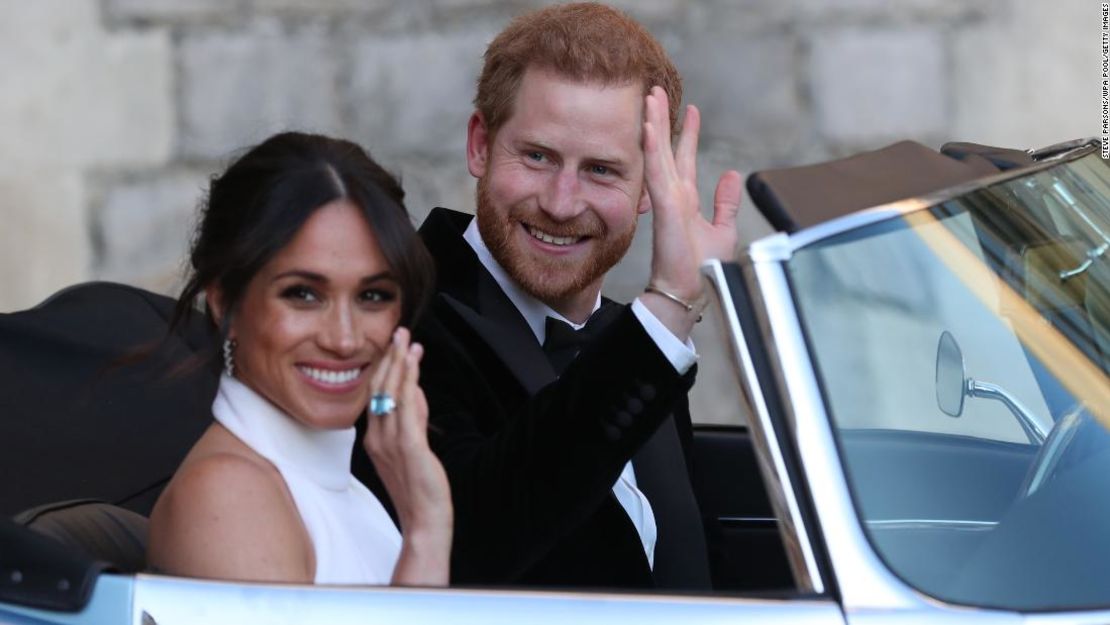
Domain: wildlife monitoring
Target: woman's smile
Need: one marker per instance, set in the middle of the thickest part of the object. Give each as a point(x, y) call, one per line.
point(333, 378)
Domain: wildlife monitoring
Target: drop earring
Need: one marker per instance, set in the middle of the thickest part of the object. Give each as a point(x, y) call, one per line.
point(229, 356)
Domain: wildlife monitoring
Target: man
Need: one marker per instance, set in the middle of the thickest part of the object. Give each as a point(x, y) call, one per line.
point(566, 467)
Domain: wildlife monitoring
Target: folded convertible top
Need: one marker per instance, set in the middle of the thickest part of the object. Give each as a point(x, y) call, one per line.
point(798, 197)
point(74, 421)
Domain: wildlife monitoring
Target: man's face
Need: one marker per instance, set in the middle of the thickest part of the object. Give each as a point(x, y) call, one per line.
point(560, 184)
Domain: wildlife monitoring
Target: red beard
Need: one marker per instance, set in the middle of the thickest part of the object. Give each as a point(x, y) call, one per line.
point(548, 279)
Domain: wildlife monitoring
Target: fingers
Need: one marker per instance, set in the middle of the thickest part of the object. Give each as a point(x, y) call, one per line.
point(381, 369)
point(653, 169)
point(398, 348)
point(372, 441)
point(411, 419)
point(410, 385)
point(391, 385)
point(657, 116)
point(658, 159)
point(399, 377)
point(381, 428)
point(686, 153)
point(726, 200)
point(682, 162)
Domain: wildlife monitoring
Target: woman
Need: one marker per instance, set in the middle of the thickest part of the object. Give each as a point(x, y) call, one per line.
point(310, 270)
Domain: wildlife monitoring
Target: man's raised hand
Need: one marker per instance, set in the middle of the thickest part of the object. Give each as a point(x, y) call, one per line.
point(682, 238)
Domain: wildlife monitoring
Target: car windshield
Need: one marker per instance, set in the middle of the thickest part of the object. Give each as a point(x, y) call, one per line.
point(962, 351)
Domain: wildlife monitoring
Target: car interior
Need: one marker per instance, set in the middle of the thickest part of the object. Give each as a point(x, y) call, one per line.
point(109, 404)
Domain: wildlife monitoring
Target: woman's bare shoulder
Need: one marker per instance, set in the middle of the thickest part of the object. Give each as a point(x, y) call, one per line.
point(228, 515)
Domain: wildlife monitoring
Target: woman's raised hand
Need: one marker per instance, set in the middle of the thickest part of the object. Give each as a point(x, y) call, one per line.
point(397, 443)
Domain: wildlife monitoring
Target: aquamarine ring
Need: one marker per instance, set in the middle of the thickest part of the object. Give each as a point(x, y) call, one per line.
point(382, 404)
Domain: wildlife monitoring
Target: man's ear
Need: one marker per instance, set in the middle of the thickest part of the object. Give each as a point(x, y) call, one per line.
point(214, 300)
point(477, 145)
point(645, 202)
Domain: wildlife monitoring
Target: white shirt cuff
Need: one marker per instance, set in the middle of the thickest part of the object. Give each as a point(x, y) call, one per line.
point(681, 355)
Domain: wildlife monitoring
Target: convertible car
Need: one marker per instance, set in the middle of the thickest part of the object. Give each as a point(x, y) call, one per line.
point(920, 351)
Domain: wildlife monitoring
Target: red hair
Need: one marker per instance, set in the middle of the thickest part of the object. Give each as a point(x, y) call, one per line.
point(585, 42)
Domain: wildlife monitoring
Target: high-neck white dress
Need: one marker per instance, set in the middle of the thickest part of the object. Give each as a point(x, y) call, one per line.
point(353, 536)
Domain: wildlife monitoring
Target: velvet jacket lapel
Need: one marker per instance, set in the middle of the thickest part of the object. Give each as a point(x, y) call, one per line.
point(474, 296)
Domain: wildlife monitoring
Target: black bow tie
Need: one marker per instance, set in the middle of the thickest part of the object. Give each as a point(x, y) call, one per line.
point(562, 342)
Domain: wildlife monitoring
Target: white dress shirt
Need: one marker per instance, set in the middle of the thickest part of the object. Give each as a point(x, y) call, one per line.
point(680, 354)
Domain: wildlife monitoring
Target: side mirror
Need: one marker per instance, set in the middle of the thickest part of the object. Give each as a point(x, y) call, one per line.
point(951, 376)
point(953, 384)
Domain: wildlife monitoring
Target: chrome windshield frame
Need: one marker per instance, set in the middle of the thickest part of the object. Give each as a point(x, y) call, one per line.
point(798, 542)
point(863, 580)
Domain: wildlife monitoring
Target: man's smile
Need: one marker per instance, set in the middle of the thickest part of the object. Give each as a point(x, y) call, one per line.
point(551, 238)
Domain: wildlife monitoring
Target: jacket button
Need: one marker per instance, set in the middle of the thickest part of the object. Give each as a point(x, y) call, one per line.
point(612, 432)
point(634, 406)
point(647, 392)
point(622, 418)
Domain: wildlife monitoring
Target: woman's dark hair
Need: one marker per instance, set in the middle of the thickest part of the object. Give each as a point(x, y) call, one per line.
point(258, 205)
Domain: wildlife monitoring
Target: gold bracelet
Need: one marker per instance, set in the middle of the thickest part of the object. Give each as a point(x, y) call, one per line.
point(651, 288)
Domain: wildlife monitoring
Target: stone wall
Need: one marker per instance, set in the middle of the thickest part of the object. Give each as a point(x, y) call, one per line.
point(117, 111)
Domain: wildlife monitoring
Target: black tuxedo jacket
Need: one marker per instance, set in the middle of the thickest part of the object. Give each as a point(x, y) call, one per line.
point(532, 458)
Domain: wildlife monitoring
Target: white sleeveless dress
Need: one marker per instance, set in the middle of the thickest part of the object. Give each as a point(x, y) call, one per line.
point(354, 538)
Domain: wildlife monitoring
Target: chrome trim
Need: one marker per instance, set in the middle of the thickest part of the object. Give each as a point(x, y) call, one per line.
point(900, 524)
point(1063, 149)
point(940, 615)
point(783, 250)
point(863, 580)
point(178, 601)
point(771, 248)
point(1029, 424)
point(780, 491)
point(1091, 256)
